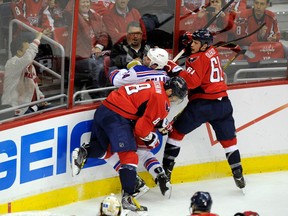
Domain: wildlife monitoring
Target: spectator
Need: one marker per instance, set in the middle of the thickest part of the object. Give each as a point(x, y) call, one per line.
point(237, 6)
point(20, 80)
point(221, 27)
point(195, 5)
point(201, 203)
point(133, 47)
point(117, 18)
point(101, 6)
point(249, 20)
point(28, 12)
point(110, 206)
point(51, 17)
point(93, 44)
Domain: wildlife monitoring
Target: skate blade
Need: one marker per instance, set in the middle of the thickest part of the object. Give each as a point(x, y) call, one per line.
point(168, 192)
point(143, 191)
point(243, 190)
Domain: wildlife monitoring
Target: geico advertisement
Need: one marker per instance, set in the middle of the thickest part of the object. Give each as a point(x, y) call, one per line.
point(36, 158)
point(32, 155)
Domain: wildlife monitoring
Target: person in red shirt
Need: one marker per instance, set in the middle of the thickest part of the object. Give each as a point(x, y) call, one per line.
point(128, 113)
point(201, 203)
point(249, 20)
point(93, 45)
point(101, 6)
point(208, 102)
point(27, 11)
point(220, 27)
point(117, 18)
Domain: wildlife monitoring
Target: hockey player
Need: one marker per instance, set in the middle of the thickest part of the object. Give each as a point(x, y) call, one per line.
point(110, 206)
point(131, 111)
point(152, 69)
point(208, 102)
point(201, 203)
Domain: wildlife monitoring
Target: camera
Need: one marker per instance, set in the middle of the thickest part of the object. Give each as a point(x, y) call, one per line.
point(210, 9)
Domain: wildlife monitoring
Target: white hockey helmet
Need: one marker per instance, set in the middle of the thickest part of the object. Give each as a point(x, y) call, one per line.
point(158, 56)
point(110, 206)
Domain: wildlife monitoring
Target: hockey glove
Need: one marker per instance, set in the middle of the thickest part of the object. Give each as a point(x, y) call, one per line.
point(172, 68)
point(164, 126)
point(187, 38)
point(151, 141)
point(133, 63)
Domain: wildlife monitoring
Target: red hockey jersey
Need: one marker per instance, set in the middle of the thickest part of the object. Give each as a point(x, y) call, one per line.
point(204, 75)
point(247, 23)
point(27, 11)
point(147, 103)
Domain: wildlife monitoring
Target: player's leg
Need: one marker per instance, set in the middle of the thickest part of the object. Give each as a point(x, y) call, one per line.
point(127, 174)
point(140, 187)
point(121, 131)
point(153, 166)
point(225, 131)
point(188, 120)
point(96, 148)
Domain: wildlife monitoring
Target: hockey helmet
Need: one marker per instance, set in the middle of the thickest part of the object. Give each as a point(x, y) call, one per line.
point(158, 56)
point(201, 201)
point(204, 36)
point(110, 206)
point(178, 86)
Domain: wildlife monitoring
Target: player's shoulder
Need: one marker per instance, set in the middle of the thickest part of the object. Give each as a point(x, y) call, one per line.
point(140, 68)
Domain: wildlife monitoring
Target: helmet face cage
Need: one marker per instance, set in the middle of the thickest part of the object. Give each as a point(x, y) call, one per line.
point(178, 86)
point(201, 201)
point(110, 206)
point(158, 56)
point(204, 36)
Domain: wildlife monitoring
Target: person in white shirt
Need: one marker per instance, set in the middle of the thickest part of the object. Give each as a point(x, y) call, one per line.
point(20, 79)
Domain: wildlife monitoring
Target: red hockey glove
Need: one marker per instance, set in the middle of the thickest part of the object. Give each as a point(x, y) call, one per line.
point(187, 38)
point(151, 141)
point(172, 68)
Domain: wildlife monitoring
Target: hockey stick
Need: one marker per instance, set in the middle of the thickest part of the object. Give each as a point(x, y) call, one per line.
point(218, 14)
point(206, 26)
point(245, 52)
point(240, 38)
point(194, 11)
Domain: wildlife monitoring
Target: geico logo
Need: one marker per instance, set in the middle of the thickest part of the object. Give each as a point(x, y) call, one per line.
point(40, 154)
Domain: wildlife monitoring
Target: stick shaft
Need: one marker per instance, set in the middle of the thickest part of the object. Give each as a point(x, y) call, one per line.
point(206, 26)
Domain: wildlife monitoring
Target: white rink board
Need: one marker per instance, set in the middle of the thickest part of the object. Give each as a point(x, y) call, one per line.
point(266, 137)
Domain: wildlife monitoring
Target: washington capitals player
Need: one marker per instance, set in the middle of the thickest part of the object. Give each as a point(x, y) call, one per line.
point(152, 69)
point(208, 102)
point(131, 112)
point(201, 203)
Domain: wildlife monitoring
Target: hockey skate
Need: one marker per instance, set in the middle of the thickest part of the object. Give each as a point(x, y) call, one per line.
point(168, 170)
point(140, 188)
point(130, 203)
point(78, 159)
point(163, 181)
point(239, 179)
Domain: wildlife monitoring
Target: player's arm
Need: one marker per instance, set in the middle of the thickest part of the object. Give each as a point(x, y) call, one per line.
point(157, 109)
point(122, 77)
